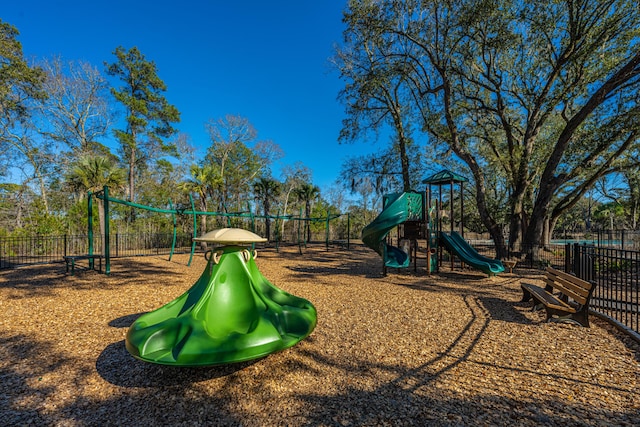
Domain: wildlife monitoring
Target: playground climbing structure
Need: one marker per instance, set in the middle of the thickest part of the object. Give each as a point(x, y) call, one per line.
point(421, 217)
point(407, 213)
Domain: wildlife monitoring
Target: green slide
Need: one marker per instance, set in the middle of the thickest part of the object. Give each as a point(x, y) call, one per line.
point(394, 212)
point(463, 250)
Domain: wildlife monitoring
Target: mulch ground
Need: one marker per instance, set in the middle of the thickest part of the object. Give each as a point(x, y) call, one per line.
point(456, 348)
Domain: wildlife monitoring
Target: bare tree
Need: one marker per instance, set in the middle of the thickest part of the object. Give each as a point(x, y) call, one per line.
point(76, 113)
point(238, 157)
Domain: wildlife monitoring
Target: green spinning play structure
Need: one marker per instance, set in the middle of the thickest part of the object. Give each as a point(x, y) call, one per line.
point(231, 314)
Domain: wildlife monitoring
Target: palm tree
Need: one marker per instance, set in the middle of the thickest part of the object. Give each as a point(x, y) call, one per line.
point(92, 173)
point(266, 189)
point(307, 193)
point(202, 180)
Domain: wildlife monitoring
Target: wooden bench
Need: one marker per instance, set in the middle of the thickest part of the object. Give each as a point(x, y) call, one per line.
point(565, 296)
point(70, 261)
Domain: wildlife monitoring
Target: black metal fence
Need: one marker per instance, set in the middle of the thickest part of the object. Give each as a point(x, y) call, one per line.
point(616, 273)
point(140, 244)
point(528, 256)
point(20, 251)
point(620, 239)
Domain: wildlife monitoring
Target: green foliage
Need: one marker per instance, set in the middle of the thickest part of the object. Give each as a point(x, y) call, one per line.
point(612, 265)
point(149, 116)
point(92, 173)
point(608, 215)
point(18, 81)
point(234, 160)
point(537, 99)
point(60, 144)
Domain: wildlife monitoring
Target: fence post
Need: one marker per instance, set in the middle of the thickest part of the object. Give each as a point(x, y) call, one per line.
point(577, 255)
point(107, 249)
point(90, 227)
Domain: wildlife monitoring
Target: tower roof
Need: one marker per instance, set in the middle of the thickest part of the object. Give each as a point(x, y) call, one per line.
point(444, 177)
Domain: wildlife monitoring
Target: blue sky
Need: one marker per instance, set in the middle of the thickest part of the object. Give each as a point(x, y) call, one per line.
point(266, 61)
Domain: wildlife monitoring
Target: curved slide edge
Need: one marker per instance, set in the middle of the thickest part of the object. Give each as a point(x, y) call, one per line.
point(459, 247)
point(475, 253)
point(374, 234)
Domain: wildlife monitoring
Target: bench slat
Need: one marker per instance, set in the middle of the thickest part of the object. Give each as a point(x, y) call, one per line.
point(565, 288)
point(548, 299)
point(577, 285)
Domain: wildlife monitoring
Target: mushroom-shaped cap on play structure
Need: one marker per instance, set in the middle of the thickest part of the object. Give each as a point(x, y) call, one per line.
point(231, 314)
point(230, 236)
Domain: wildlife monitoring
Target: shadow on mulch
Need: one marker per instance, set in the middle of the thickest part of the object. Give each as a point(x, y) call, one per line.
point(116, 366)
point(499, 309)
point(120, 368)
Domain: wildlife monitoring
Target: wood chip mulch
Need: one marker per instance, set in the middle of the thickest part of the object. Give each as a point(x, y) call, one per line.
point(455, 348)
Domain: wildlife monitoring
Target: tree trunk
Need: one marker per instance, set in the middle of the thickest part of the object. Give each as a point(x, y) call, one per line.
point(516, 224)
point(308, 222)
point(132, 173)
point(535, 230)
point(267, 221)
point(43, 192)
point(546, 233)
point(284, 210)
point(203, 218)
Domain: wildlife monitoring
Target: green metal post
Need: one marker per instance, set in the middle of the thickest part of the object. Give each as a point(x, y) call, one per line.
point(195, 230)
point(90, 227)
point(299, 241)
point(175, 226)
point(276, 233)
point(107, 249)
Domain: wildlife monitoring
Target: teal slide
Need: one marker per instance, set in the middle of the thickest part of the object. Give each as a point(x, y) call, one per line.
point(463, 250)
point(373, 235)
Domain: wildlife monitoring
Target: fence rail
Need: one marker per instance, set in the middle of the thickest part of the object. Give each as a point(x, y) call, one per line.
point(20, 251)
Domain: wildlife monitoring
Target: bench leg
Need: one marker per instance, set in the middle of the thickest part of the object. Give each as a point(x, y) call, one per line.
point(526, 295)
point(581, 318)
